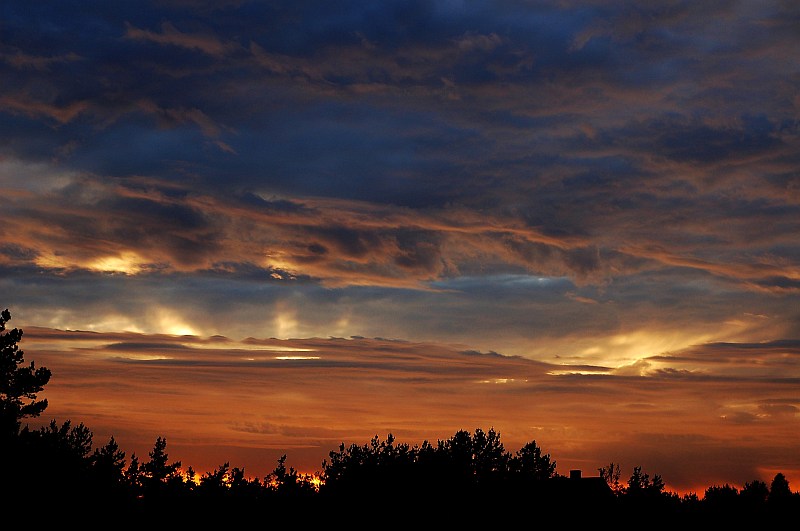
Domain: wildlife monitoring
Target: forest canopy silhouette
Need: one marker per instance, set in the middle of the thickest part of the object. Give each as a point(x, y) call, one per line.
point(465, 478)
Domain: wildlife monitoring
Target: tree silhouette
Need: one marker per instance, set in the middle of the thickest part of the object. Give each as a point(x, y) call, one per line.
point(754, 493)
point(19, 385)
point(724, 496)
point(531, 464)
point(473, 462)
point(641, 484)
point(108, 469)
point(374, 470)
point(242, 486)
point(215, 483)
point(781, 501)
point(158, 474)
point(611, 474)
point(288, 482)
point(52, 461)
point(133, 474)
point(779, 488)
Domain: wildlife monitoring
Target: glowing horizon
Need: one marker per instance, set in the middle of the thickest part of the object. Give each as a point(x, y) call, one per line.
point(387, 382)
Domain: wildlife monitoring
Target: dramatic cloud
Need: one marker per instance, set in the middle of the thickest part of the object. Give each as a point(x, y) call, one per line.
point(605, 194)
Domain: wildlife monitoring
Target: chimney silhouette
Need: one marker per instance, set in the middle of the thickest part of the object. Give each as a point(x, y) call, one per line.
point(574, 474)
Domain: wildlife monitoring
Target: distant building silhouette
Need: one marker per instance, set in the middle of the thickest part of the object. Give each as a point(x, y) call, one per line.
point(575, 493)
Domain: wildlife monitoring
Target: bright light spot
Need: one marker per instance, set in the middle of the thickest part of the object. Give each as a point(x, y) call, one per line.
point(527, 279)
point(297, 357)
point(163, 321)
point(624, 350)
point(51, 261)
point(169, 323)
point(127, 262)
point(194, 479)
point(500, 381)
point(146, 357)
point(64, 321)
point(343, 324)
point(638, 368)
point(620, 339)
point(562, 372)
point(285, 322)
point(180, 330)
point(280, 261)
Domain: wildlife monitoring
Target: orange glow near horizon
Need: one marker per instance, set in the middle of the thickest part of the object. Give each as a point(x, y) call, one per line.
point(371, 387)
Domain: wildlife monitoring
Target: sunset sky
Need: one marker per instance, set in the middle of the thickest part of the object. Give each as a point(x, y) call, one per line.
point(267, 228)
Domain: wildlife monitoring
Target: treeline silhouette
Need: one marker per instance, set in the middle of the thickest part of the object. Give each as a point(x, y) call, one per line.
point(55, 472)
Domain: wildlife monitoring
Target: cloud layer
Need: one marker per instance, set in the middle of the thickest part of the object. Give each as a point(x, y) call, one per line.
point(732, 408)
point(599, 187)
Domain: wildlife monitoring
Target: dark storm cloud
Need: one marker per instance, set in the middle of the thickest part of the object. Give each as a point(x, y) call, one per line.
point(270, 205)
point(17, 253)
point(698, 141)
point(250, 272)
point(350, 242)
point(779, 283)
point(207, 70)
